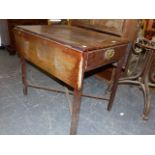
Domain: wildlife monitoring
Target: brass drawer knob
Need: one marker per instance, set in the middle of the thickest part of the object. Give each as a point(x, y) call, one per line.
point(109, 53)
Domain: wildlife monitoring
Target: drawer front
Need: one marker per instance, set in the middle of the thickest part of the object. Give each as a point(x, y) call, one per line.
point(102, 57)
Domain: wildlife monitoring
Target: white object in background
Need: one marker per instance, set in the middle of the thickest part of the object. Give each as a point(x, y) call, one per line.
point(54, 21)
point(121, 114)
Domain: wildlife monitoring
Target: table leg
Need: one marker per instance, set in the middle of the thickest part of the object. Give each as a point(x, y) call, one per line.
point(115, 83)
point(109, 88)
point(75, 111)
point(23, 69)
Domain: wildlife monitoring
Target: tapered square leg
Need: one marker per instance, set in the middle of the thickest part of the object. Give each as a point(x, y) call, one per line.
point(23, 69)
point(115, 83)
point(75, 111)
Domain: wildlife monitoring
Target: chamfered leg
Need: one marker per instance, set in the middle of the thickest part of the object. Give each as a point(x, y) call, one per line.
point(23, 69)
point(75, 111)
point(115, 83)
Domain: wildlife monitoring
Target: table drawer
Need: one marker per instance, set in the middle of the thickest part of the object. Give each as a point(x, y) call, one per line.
point(102, 57)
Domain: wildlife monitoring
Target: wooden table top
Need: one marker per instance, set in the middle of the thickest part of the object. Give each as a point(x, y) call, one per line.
point(74, 37)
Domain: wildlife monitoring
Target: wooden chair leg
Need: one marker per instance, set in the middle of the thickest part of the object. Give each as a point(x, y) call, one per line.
point(75, 111)
point(115, 83)
point(23, 69)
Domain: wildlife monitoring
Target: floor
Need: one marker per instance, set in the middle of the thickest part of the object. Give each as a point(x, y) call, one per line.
point(43, 112)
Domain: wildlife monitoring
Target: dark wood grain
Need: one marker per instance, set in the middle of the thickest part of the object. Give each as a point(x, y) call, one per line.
point(54, 58)
point(67, 52)
point(78, 38)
